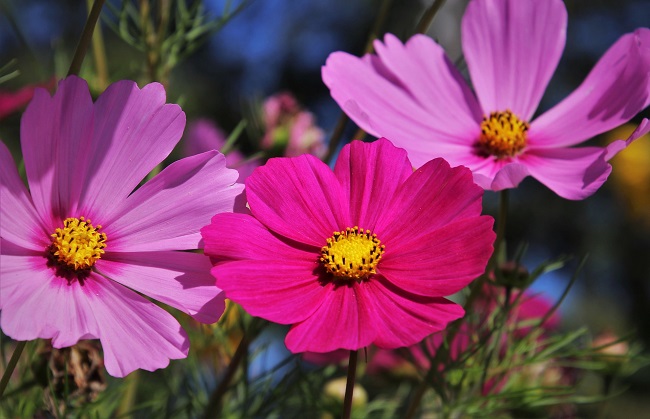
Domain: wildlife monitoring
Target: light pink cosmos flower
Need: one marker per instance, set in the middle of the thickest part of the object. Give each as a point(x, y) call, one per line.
point(204, 135)
point(412, 94)
point(360, 255)
point(78, 247)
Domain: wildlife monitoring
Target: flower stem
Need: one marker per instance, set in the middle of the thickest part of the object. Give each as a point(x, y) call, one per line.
point(11, 366)
point(427, 17)
point(211, 410)
point(349, 386)
point(86, 36)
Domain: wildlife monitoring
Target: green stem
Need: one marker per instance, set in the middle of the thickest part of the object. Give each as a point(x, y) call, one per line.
point(349, 385)
point(11, 366)
point(86, 36)
point(427, 17)
point(99, 55)
point(211, 410)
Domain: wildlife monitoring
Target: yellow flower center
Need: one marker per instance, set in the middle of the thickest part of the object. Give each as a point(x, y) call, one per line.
point(78, 245)
point(352, 254)
point(503, 135)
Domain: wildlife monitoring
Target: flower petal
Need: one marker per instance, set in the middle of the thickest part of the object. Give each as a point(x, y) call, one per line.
point(512, 48)
point(281, 291)
point(134, 332)
point(403, 320)
point(572, 173)
point(619, 145)
point(167, 212)
point(299, 198)
point(342, 321)
point(431, 197)
point(370, 173)
point(443, 261)
point(615, 90)
point(179, 279)
point(379, 103)
point(19, 222)
point(54, 133)
point(133, 131)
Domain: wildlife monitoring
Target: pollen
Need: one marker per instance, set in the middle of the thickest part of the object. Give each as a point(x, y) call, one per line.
point(503, 135)
point(352, 254)
point(78, 245)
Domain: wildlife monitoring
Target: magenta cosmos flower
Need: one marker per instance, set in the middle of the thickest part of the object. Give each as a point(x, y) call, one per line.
point(357, 256)
point(412, 94)
point(81, 244)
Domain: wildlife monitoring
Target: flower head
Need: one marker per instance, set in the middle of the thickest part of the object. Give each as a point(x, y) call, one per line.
point(360, 255)
point(78, 247)
point(412, 94)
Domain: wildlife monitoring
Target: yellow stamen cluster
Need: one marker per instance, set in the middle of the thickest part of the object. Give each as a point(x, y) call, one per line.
point(503, 135)
point(352, 254)
point(78, 245)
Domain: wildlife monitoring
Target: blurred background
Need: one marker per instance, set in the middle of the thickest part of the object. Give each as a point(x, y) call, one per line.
point(262, 47)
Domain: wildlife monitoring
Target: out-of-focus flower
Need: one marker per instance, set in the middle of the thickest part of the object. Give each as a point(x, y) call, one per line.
point(357, 256)
point(631, 180)
point(412, 94)
point(79, 246)
point(610, 348)
point(11, 102)
point(204, 135)
point(335, 389)
point(289, 130)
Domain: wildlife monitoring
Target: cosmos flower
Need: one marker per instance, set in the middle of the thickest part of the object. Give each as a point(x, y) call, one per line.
point(360, 255)
point(412, 94)
point(81, 244)
point(11, 102)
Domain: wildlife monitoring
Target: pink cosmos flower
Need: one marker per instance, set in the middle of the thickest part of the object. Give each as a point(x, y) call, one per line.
point(204, 135)
point(412, 94)
point(78, 247)
point(360, 255)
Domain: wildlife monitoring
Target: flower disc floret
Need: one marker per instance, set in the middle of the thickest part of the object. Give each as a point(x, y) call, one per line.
point(503, 135)
point(352, 254)
point(79, 244)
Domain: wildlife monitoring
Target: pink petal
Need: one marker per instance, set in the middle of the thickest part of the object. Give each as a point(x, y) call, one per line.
point(572, 173)
point(512, 48)
point(403, 320)
point(370, 173)
point(203, 135)
point(443, 261)
point(379, 103)
point(615, 90)
point(342, 321)
point(55, 135)
point(133, 131)
point(298, 198)
point(431, 197)
point(19, 221)
point(167, 212)
point(281, 291)
point(179, 279)
point(619, 145)
point(509, 176)
point(134, 332)
point(242, 237)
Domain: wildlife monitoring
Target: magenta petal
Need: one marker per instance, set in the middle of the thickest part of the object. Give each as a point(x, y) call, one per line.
point(37, 304)
point(431, 197)
point(55, 136)
point(380, 104)
point(343, 321)
point(512, 48)
point(179, 279)
point(167, 212)
point(283, 292)
point(509, 176)
point(370, 174)
point(19, 221)
point(133, 131)
point(619, 145)
point(572, 173)
point(443, 261)
point(299, 198)
point(615, 90)
point(241, 236)
point(134, 332)
point(404, 320)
